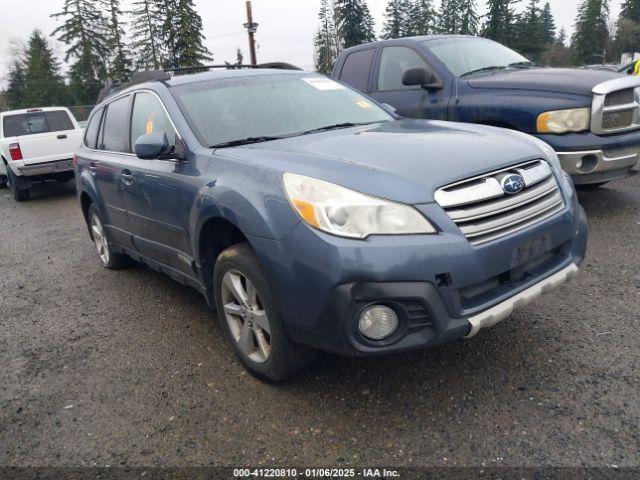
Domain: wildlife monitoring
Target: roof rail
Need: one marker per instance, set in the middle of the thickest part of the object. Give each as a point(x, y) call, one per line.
point(163, 75)
point(228, 66)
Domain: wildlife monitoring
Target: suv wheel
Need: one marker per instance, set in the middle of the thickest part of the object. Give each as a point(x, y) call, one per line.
point(249, 314)
point(108, 259)
point(19, 194)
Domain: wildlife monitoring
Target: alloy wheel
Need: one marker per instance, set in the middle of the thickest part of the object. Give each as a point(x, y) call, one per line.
point(100, 239)
point(246, 316)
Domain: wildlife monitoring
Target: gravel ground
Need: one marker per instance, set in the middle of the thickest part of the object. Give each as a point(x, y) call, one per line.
point(129, 368)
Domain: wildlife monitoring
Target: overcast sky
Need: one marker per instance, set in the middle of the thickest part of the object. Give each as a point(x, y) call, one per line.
point(285, 33)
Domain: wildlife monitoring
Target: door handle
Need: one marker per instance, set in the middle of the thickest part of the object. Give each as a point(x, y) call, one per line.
point(127, 177)
point(62, 137)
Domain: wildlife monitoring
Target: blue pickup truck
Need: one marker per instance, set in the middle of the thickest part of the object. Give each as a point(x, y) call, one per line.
point(591, 118)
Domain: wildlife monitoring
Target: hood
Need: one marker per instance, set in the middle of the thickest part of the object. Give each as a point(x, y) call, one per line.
point(403, 160)
point(561, 80)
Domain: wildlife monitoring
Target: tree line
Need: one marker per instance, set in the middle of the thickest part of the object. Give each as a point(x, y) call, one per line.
point(104, 44)
point(530, 29)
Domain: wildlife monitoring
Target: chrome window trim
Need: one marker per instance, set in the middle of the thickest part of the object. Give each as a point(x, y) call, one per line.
point(118, 97)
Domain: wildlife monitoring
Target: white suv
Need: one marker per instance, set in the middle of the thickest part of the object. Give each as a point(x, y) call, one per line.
point(37, 144)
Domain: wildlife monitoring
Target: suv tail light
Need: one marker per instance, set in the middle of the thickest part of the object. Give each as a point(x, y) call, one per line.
point(14, 150)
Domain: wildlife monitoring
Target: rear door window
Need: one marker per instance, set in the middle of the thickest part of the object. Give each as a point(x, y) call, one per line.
point(35, 123)
point(91, 133)
point(356, 69)
point(115, 137)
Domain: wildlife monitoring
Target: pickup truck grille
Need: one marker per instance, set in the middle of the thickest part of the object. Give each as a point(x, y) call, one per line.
point(484, 212)
point(616, 106)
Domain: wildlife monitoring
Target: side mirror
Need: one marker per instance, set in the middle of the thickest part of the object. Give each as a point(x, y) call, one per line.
point(420, 77)
point(152, 146)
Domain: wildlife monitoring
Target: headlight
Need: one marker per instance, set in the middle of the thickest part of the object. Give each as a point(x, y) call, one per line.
point(564, 121)
point(346, 213)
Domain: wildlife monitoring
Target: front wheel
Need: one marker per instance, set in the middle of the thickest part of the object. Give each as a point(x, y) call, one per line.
point(108, 259)
point(249, 314)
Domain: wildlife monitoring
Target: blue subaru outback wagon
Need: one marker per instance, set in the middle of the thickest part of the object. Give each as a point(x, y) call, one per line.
point(314, 219)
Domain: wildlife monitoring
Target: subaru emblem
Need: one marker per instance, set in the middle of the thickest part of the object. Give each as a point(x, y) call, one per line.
point(512, 183)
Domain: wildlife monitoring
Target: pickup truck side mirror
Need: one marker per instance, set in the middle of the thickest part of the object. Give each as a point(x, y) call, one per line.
point(152, 146)
point(421, 77)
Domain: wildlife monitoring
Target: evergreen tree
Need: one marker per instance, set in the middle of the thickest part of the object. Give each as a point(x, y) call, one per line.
point(120, 61)
point(181, 33)
point(469, 20)
point(15, 83)
point(397, 16)
point(499, 21)
point(84, 31)
point(631, 10)
point(43, 84)
point(628, 27)
point(589, 40)
point(354, 23)
point(548, 24)
point(450, 20)
point(530, 39)
point(146, 27)
point(325, 41)
point(422, 18)
point(562, 37)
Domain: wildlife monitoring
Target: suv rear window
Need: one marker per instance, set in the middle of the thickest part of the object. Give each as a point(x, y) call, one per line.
point(37, 122)
point(356, 69)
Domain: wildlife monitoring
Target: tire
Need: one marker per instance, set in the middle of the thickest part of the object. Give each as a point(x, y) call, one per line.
point(254, 326)
point(108, 259)
point(19, 194)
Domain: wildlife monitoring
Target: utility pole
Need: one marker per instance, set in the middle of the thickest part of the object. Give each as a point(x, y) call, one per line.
point(251, 27)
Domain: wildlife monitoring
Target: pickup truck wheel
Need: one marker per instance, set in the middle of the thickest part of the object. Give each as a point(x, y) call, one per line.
point(249, 314)
point(108, 259)
point(19, 194)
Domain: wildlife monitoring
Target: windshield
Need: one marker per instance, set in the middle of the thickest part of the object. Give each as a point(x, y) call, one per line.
point(466, 56)
point(264, 107)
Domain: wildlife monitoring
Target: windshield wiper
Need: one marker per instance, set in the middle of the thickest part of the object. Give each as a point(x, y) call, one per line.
point(526, 64)
point(335, 127)
point(484, 69)
point(245, 141)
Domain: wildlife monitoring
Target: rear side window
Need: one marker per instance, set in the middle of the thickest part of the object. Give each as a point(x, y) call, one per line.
point(395, 61)
point(356, 69)
point(116, 126)
point(149, 116)
point(35, 123)
point(91, 133)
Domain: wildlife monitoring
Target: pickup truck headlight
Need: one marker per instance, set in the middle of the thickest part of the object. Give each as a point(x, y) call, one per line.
point(346, 213)
point(565, 121)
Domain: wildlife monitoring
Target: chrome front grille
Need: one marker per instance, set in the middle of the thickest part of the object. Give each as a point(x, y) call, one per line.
point(484, 212)
point(616, 106)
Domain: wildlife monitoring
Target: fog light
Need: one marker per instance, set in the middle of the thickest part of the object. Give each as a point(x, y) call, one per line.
point(378, 322)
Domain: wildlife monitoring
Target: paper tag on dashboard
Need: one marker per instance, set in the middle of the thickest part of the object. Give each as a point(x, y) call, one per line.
point(323, 83)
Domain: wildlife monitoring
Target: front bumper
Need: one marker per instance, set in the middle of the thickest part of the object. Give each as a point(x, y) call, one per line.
point(441, 287)
point(591, 158)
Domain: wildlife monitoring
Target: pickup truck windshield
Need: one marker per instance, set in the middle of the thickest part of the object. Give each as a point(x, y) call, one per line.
point(38, 122)
point(475, 56)
point(234, 111)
